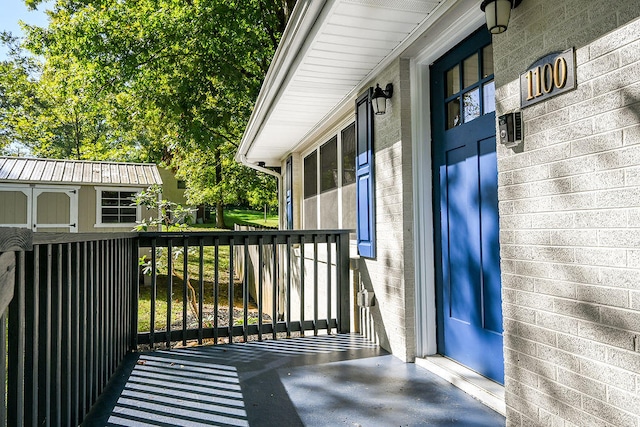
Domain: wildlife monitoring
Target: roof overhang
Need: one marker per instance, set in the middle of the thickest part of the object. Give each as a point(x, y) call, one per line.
point(328, 52)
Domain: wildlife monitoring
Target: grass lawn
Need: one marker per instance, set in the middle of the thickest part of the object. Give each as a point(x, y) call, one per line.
point(233, 216)
point(245, 217)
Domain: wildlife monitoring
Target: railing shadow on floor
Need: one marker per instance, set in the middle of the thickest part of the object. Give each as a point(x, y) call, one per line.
point(208, 385)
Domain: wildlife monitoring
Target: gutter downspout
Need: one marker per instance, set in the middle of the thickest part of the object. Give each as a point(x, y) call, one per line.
point(244, 161)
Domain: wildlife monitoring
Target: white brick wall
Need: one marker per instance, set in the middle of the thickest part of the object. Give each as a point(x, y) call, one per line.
point(570, 219)
point(391, 274)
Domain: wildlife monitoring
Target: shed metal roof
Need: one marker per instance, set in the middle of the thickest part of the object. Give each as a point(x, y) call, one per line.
point(33, 170)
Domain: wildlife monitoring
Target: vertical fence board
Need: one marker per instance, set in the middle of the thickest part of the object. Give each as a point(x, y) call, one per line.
point(230, 291)
point(185, 290)
point(169, 290)
point(84, 332)
point(344, 290)
point(329, 301)
point(200, 288)
point(14, 413)
point(289, 272)
point(154, 291)
point(274, 290)
point(216, 290)
point(302, 285)
point(315, 284)
point(260, 284)
point(245, 293)
point(56, 332)
point(93, 324)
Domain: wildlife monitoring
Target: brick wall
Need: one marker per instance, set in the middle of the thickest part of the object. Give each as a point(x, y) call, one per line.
point(391, 274)
point(570, 219)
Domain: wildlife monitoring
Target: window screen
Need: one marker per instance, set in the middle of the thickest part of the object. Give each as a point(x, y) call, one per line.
point(349, 154)
point(311, 175)
point(329, 165)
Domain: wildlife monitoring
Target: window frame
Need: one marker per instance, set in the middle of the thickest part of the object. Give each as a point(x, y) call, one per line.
point(99, 223)
point(343, 157)
point(324, 163)
point(335, 131)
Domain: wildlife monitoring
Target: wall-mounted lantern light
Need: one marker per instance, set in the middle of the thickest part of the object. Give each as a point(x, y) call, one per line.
point(379, 98)
point(497, 13)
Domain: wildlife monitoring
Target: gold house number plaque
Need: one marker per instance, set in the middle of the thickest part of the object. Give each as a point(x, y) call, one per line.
point(547, 77)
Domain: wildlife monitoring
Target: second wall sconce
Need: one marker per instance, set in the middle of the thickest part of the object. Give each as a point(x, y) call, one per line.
point(379, 98)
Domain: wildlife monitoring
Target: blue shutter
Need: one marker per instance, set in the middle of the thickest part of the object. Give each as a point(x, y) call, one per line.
point(365, 201)
point(289, 194)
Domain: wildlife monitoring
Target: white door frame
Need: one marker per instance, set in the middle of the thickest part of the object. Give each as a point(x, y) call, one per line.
point(71, 192)
point(27, 191)
point(455, 25)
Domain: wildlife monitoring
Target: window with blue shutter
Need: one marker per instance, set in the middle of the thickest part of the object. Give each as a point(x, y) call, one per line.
point(365, 200)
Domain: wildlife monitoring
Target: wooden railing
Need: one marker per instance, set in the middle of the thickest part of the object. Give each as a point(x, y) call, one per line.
point(292, 282)
point(70, 305)
point(69, 324)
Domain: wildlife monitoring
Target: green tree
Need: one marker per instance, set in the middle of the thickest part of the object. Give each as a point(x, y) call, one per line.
point(196, 66)
point(51, 111)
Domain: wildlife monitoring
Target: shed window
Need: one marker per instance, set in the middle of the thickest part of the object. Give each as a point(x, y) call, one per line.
point(114, 206)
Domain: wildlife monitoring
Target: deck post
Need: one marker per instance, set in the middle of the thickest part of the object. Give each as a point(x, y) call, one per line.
point(135, 294)
point(344, 295)
point(13, 243)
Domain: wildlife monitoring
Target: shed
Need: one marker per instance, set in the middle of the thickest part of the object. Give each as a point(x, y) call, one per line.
point(71, 195)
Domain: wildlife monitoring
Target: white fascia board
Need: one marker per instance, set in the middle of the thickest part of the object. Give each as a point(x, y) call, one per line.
point(290, 50)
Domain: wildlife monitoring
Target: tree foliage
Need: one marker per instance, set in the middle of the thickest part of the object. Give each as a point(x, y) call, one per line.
point(153, 80)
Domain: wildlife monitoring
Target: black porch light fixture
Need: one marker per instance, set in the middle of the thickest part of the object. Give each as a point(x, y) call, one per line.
point(497, 13)
point(379, 98)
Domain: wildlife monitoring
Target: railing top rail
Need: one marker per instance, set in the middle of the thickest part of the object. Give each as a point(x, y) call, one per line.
point(239, 236)
point(15, 239)
point(233, 233)
point(45, 238)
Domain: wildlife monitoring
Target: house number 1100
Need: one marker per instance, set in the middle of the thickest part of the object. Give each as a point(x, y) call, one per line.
point(544, 78)
point(549, 76)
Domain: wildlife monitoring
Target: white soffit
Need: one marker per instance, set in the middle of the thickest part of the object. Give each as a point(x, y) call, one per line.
point(342, 47)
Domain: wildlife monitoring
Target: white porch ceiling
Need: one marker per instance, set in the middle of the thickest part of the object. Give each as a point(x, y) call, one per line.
point(329, 50)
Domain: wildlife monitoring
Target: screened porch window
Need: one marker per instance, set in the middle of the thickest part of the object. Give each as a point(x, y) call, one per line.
point(311, 175)
point(329, 182)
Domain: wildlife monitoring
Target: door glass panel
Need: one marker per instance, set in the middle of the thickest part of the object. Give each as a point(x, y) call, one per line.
point(480, 100)
point(487, 61)
point(471, 101)
point(470, 70)
point(453, 81)
point(489, 97)
point(453, 113)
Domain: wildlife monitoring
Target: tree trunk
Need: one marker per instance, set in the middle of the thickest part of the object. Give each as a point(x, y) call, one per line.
point(219, 215)
point(219, 205)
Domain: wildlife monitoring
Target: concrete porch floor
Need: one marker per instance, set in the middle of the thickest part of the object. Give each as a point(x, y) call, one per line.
point(313, 381)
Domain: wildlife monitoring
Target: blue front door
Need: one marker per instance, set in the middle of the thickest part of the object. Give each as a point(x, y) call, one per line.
point(466, 207)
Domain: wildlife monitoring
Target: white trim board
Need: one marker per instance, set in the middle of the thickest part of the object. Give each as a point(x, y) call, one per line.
point(489, 392)
point(455, 25)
